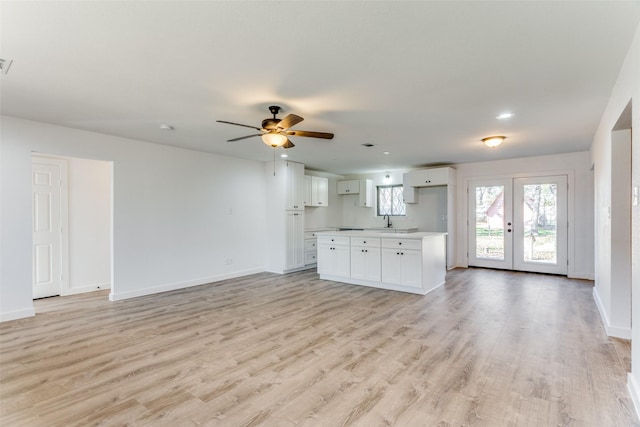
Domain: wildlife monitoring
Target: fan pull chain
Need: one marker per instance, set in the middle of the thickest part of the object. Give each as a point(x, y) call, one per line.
point(274, 161)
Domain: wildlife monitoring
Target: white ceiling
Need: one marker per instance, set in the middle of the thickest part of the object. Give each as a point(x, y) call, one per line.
point(422, 80)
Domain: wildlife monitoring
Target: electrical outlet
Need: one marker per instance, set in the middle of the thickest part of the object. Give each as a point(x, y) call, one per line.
point(229, 261)
point(230, 211)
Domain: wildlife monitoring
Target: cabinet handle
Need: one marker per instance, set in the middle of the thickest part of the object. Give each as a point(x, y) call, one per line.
point(365, 242)
point(397, 253)
point(366, 250)
point(401, 253)
point(399, 243)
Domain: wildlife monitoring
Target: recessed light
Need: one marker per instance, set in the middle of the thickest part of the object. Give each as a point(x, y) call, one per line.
point(284, 156)
point(504, 116)
point(368, 145)
point(386, 152)
point(166, 127)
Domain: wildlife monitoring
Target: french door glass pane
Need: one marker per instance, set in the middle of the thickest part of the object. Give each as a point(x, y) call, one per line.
point(490, 222)
point(540, 223)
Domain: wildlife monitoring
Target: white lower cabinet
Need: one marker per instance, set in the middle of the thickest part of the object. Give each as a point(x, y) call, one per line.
point(402, 267)
point(333, 256)
point(295, 240)
point(365, 259)
point(413, 263)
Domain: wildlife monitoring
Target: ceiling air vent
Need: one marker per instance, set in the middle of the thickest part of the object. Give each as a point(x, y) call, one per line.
point(4, 65)
point(368, 145)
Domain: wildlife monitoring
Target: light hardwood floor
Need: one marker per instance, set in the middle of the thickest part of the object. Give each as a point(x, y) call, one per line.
point(489, 348)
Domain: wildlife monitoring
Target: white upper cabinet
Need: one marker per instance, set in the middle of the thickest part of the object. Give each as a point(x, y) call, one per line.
point(362, 187)
point(428, 177)
point(307, 190)
point(409, 193)
point(318, 189)
point(349, 187)
point(295, 186)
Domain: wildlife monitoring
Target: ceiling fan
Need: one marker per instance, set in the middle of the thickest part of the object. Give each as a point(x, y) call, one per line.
point(275, 132)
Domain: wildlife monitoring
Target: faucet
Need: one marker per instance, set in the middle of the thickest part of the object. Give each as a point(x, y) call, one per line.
point(388, 220)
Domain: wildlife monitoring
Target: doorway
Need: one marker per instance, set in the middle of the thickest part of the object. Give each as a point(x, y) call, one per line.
point(50, 226)
point(72, 221)
point(519, 224)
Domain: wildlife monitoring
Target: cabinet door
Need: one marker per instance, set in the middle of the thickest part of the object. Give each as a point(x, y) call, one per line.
point(439, 176)
point(349, 187)
point(319, 191)
point(372, 265)
point(409, 193)
point(308, 200)
point(366, 193)
point(295, 240)
point(325, 259)
point(295, 186)
point(429, 177)
point(411, 274)
point(341, 261)
point(391, 266)
point(358, 262)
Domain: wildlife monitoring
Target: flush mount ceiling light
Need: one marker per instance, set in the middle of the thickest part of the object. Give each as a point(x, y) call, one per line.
point(386, 153)
point(504, 116)
point(493, 141)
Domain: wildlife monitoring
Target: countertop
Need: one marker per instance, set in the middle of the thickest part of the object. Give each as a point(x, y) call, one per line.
point(388, 232)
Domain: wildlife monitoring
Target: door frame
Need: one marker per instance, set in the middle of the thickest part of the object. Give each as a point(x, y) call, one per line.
point(464, 203)
point(63, 165)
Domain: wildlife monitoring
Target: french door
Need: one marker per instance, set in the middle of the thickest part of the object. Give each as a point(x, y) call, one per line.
point(519, 224)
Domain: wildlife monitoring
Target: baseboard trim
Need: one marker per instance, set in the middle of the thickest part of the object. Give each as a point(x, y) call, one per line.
point(18, 314)
point(583, 276)
point(119, 296)
point(612, 331)
point(634, 391)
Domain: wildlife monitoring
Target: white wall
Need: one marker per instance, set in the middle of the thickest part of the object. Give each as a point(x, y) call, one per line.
point(577, 165)
point(178, 215)
point(330, 216)
point(627, 88)
point(89, 225)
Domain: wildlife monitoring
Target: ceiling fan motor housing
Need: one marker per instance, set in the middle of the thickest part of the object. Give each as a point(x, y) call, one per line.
point(270, 124)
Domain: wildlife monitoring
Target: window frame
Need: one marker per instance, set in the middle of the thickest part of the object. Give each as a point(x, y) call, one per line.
point(390, 186)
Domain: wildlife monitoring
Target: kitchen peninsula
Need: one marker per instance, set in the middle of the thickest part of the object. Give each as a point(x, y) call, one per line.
point(407, 262)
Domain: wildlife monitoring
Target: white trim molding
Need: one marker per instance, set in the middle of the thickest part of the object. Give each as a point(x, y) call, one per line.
point(113, 296)
point(18, 314)
point(634, 391)
point(612, 331)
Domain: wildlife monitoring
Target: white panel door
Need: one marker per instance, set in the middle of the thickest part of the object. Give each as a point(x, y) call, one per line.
point(540, 212)
point(519, 224)
point(47, 230)
point(490, 223)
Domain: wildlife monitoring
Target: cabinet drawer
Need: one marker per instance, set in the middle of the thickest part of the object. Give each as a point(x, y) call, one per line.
point(309, 235)
point(310, 245)
point(369, 242)
point(333, 240)
point(402, 243)
point(310, 258)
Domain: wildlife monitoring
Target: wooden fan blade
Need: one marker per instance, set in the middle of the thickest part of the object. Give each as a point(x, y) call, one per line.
point(290, 120)
point(238, 124)
point(288, 144)
point(310, 134)
point(244, 137)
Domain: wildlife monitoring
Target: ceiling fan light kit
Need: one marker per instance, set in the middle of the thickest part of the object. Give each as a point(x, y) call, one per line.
point(493, 141)
point(275, 132)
